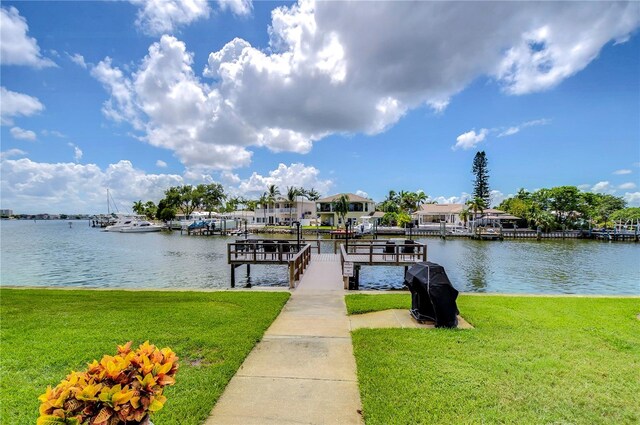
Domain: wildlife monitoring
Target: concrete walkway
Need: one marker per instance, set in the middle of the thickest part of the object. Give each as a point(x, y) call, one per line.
point(303, 371)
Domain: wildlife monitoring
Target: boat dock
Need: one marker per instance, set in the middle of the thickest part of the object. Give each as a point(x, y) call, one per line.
point(352, 256)
point(296, 256)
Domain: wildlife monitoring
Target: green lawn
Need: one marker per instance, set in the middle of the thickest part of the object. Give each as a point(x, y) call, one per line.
point(45, 334)
point(529, 360)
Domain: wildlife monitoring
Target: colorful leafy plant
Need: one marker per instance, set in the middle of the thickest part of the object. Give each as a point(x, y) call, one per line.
point(120, 389)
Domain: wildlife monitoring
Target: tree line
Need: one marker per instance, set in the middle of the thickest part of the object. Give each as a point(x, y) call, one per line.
point(211, 197)
point(566, 207)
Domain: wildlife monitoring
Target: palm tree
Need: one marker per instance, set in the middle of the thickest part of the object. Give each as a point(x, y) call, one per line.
point(311, 194)
point(421, 198)
point(138, 207)
point(272, 194)
point(292, 195)
point(392, 196)
point(341, 207)
point(464, 215)
point(263, 201)
point(476, 204)
point(251, 204)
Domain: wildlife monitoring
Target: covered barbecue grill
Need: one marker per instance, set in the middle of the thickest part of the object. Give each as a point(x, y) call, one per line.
point(433, 298)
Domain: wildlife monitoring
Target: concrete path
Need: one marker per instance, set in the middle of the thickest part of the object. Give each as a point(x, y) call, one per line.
point(395, 319)
point(303, 371)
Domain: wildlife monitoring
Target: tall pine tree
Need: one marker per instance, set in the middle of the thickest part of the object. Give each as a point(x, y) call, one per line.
point(481, 182)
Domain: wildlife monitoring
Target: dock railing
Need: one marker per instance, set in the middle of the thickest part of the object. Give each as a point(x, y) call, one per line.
point(298, 264)
point(381, 252)
point(268, 251)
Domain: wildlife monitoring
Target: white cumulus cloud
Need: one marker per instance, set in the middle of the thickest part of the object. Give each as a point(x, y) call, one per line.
point(21, 134)
point(14, 104)
point(30, 186)
point(16, 47)
point(603, 187)
point(157, 17)
point(362, 193)
point(346, 67)
point(470, 139)
point(237, 7)
point(296, 174)
point(160, 163)
point(632, 199)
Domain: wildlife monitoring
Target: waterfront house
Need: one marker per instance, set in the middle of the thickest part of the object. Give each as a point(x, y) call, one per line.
point(242, 216)
point(281, 212)
point(358, 207)
point(431, 214)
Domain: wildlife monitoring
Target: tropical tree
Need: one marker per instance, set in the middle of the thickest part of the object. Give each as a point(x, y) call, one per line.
point(341, 207)
point(165, 211)
point(150, 210)
point(421, 198)
point(542, 219)
point(292, 197)
point(272, 193)
point(138, 207)
point(232, 204)
point(626, 214)
point(389, 206)
point(403, 218)
point(564, 201)
point(389, 219)
point(190, 199)
point(477, 204)
point(311, 194)
point(465, 214)
point(263, 201)
point(392, 196)
point(251, 204)
point(212, 196)
point(481, 182)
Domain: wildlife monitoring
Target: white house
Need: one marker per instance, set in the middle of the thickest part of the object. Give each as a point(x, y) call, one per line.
point(282, 212)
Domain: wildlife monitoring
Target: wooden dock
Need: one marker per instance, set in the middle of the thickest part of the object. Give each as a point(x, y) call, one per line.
point(352, 255)
point(266, 251)
point(378, 253)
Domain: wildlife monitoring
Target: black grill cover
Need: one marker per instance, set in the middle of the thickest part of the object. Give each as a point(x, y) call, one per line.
point(433, 297)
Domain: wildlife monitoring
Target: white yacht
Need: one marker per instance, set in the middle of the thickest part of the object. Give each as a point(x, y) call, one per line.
point(133, 224)
point(141, 226)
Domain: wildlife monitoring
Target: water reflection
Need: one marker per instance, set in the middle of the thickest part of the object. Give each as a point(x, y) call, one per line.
point(475, 266)
point(52, 254)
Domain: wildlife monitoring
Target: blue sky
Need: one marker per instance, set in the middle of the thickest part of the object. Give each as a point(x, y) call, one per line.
point(344, 97)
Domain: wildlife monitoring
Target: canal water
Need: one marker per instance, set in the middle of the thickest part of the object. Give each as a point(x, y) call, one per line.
point(54, 253)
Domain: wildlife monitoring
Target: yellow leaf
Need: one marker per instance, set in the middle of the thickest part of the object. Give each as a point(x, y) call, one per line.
point(155, 406)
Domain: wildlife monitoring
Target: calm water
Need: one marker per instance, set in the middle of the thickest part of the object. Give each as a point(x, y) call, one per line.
point(53, 254)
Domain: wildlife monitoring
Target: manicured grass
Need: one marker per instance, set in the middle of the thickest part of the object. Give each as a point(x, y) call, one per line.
point(45, 334)
point(529, 360)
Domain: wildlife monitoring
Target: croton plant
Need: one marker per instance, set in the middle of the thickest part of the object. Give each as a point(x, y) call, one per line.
point(120, 389)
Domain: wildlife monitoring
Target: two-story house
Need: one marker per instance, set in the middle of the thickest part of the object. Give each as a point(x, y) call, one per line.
point(358, 207)
point(282, 212)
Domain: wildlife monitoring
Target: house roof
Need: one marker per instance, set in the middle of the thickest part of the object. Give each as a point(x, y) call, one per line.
point(503, 216)
point(436, 209)
point(352, 198)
